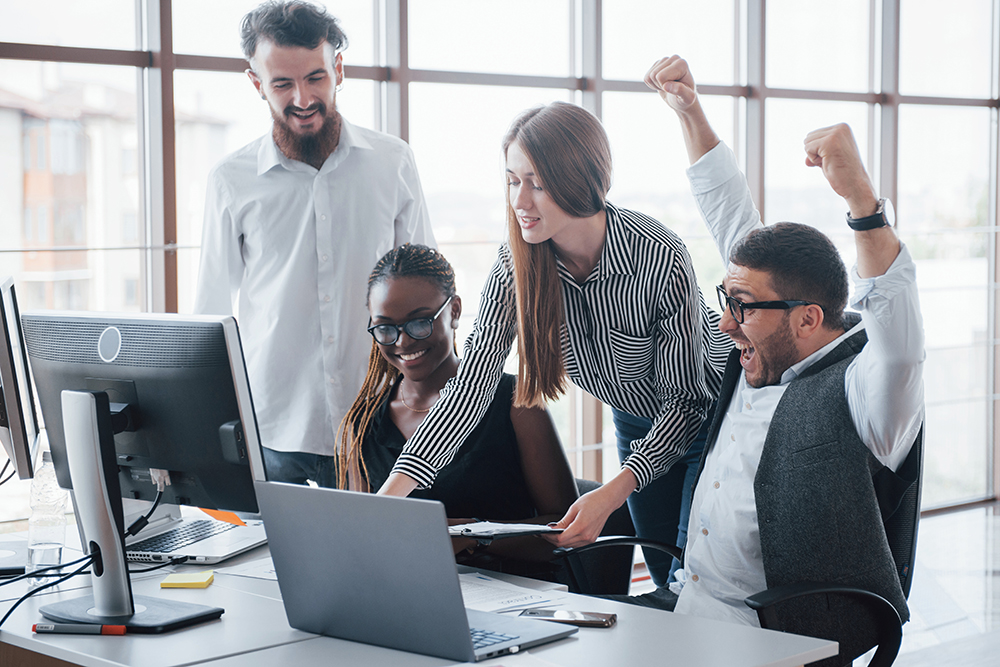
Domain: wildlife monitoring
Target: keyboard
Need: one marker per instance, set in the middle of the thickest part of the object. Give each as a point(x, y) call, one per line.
point(178, 538)
point(484, 638)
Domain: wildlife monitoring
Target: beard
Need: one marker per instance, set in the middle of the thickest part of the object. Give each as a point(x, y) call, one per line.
point(314, 147)
point(775, 355)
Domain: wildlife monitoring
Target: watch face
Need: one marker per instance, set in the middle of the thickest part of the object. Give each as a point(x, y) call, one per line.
point(888, 212)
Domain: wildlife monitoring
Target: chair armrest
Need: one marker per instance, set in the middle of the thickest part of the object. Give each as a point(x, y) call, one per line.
point(890, 635)
point(615, 541)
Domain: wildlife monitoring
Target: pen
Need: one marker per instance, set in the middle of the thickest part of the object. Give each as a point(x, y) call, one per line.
point(77, 629)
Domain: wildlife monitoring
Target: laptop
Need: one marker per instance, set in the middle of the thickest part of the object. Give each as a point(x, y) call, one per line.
point(380, 570)
point(200, 539)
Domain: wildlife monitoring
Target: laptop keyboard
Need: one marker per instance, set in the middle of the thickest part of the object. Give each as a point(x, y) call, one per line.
point(178, 538)
point(484, 638)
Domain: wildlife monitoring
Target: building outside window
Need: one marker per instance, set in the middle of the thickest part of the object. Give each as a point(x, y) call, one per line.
point(115, 152)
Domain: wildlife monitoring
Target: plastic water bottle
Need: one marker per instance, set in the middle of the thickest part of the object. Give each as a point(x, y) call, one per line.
point(47, 524)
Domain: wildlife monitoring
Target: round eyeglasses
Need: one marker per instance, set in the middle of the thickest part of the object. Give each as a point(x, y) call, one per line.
point(417, 329)
point(737, 308)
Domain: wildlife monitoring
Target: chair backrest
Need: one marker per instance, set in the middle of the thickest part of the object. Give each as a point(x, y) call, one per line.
point(901, 527)
point(606, 571)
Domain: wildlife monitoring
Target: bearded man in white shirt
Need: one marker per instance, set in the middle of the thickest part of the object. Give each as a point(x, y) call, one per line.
point(817, 409)
point(294, 222)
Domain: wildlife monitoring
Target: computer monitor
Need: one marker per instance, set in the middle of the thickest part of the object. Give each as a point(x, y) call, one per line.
point(18, 419)
point(180, 382)
point(124, 396)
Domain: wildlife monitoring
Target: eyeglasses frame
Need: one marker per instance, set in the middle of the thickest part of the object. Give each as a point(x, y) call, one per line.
point(401, 328)
point(728, 302)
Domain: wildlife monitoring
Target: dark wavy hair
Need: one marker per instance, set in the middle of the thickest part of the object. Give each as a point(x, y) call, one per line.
point(290, 23)
point(802, 263)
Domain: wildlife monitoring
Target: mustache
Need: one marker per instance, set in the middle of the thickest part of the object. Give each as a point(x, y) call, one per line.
point(318, 106)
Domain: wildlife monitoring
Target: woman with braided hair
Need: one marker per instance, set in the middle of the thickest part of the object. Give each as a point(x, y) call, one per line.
point(510, 468)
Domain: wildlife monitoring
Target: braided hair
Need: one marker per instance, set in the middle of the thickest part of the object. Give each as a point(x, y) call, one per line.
point(406, 261)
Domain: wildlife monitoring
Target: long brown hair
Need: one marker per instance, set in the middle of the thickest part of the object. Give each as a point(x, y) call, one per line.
point(571, 156)
point(405, 261)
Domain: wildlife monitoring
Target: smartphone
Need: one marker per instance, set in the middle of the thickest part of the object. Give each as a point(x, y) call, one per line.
point(585, 619)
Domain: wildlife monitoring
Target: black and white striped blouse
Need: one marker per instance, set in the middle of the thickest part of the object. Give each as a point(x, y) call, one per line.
point(637, 335)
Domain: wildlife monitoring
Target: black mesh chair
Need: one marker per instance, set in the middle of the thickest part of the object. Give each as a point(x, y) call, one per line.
point(605, 572)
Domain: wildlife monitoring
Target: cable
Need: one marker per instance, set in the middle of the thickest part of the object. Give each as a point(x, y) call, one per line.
point(42, 570)
point(173, 561)
point(43, 587)
point(141, 522)
point(8, 477)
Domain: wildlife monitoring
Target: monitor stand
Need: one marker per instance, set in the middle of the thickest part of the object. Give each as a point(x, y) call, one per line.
point(90, 450)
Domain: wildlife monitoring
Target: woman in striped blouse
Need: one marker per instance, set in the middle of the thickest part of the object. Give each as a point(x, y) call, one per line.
point(604, 296)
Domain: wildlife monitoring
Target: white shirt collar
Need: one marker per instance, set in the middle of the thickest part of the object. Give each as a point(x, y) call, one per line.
point(799, 367)
point(270, 156)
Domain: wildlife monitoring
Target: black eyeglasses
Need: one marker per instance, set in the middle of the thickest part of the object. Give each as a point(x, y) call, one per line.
point(418, 329)
point(737, 307)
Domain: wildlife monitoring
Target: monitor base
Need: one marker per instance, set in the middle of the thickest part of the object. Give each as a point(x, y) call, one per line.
point(152, 615)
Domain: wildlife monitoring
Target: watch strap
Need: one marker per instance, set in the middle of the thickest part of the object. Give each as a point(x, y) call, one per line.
point(873, 221)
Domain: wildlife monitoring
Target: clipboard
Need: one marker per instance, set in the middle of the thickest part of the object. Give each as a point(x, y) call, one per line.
point(487, 531)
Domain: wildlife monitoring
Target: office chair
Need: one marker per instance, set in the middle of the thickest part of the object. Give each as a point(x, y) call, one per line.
point(900, 524)
point(605, 572)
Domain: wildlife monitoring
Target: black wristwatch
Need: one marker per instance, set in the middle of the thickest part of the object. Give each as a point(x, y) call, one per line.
point(884, 215)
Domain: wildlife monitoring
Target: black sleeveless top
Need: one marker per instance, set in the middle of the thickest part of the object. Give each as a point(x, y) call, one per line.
point(483, 481)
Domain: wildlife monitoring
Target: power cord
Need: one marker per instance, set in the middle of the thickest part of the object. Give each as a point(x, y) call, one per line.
point(8, 477)
point(177, 560)
point(141, 522)
point(88, 558)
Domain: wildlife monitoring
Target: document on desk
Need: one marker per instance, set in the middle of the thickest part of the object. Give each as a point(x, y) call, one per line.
point(484, 593)
point(490, 530)
point(262, 568)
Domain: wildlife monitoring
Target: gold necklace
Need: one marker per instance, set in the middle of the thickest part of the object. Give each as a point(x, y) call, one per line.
point(403, 401)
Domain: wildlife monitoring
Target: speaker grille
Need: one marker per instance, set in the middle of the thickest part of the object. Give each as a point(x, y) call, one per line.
point(158, 345)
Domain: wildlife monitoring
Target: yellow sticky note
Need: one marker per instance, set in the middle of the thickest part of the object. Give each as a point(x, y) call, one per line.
point(189, 580)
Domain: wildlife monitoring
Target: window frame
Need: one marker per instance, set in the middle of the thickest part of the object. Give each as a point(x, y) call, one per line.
point(155, 63)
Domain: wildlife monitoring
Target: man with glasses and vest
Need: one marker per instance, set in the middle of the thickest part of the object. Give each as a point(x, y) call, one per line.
point(816, 402)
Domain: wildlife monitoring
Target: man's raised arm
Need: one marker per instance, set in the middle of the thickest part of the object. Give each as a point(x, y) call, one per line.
point(834, 150)
point(672, 79)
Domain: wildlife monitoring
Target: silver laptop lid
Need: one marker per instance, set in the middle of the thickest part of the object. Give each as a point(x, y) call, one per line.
point(367, 568)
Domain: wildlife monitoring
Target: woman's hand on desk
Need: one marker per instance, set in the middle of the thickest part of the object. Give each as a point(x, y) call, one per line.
point(586, 517)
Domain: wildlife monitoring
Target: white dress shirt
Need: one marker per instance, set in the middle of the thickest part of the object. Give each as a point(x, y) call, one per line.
point(884, 386)
point(291, 247)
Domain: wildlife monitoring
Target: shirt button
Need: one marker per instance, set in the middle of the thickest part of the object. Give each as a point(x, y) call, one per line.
point(329, 339)
point(324, 258)
point(322, 217)
point(333, 380)
point(732, 436)
point(704, 531)
point(716, 485)
point(326, 298)
point(746, 405)
point(694, 577)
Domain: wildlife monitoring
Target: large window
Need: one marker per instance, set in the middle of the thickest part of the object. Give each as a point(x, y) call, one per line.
point(112, 112)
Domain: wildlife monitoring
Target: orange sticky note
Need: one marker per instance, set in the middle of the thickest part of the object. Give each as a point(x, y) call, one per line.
point(228, 517)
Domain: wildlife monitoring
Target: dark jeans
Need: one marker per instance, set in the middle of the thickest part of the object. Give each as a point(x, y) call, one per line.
point(660, 511)
point(298, 467)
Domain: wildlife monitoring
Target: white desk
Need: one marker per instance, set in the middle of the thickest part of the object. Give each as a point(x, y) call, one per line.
point(254, 632)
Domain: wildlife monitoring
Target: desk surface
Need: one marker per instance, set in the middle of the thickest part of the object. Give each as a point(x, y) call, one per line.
point(254, 631)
